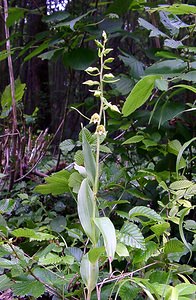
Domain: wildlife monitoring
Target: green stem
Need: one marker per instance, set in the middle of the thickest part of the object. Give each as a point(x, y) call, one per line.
point(97, 167)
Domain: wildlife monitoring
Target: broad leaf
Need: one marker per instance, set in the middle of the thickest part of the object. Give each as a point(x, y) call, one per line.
point(159, 229)
point(79, 58)
point(109, 236)
point(141, 256)
point(181, 153)
point(56, 184)
point(177, 9)
point(181, 184)
point(145, 212)
point(32, 234)
point(186, 289)
point(89, 273)
point(28, 287)
point(95, 253)
point(139, 94)
point(86, 209)
point(15, 14)
point(173, 246)
point(131, 235)
point(133, 140)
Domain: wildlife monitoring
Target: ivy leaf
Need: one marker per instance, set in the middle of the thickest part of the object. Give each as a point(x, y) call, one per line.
point(145, 212)
point(131, 235)
point(139, 94)
point(28, 287)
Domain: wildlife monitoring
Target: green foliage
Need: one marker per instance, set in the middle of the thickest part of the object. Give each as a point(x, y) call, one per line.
point(127, 198)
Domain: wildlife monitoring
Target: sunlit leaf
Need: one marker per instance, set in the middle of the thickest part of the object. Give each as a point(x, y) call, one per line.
point(131, 235)
point(139, 94)
point(145, 212)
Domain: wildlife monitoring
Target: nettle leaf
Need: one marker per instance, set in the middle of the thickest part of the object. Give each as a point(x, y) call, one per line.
point(50, 259)
point(145, 212)
point(109, 236)
point(86, 203)
point(56, 184)
point(89, 160)
point(7, 264)
point(89, 273)
point(28, 287)
point(4, 282)
point(173, 246)
point(139, 94)
point(131, 235)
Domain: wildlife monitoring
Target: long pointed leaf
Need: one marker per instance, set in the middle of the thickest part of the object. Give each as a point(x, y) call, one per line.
point(108, 231)
point(86, 202)
point(89, 160)
point(139, 94)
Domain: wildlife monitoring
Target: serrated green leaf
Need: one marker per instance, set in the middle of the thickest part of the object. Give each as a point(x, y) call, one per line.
point(173, 246)
point(131, 235)
point(181, 185)
point(86, 203)
point(7, 264)
point(4, 282)
point(109, 236)
point(56, 184)
point(50, 259)
point(145, 212)
point(32, 234)
point(28, 287)
point(139, 95)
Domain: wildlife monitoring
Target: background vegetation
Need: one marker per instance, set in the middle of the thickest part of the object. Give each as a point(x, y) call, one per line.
point(97, 149)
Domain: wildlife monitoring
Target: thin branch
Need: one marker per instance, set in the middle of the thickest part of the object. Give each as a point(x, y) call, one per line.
point(10, 66)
